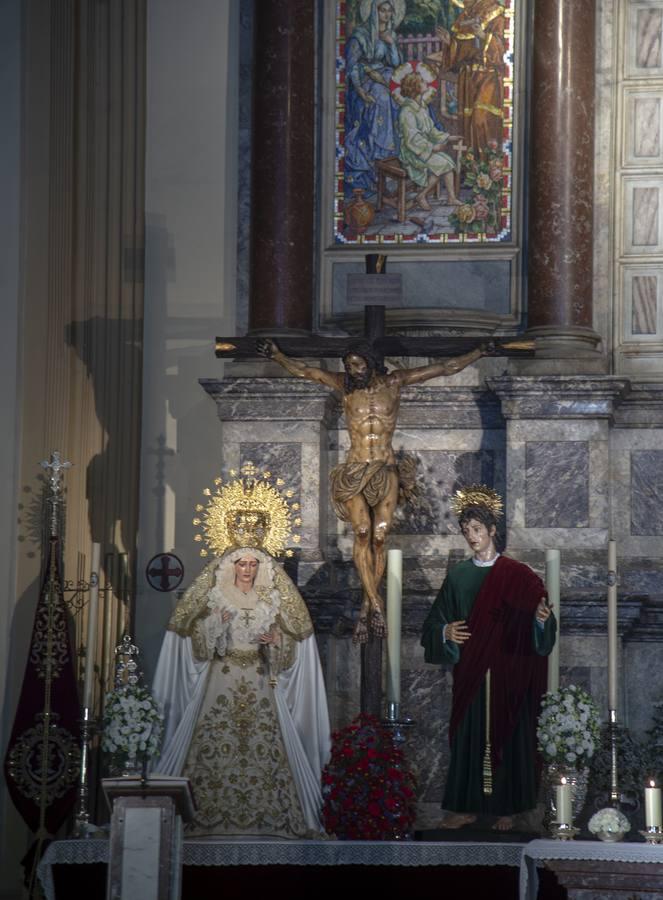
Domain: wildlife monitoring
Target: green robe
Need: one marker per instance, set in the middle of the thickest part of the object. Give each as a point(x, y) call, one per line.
point(515, 782)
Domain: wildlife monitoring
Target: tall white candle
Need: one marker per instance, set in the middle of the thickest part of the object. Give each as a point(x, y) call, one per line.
point(394, 612)
point(563, 796)
point(612, 625)
point(92, 618)
point(653, 818)
point(552, 586)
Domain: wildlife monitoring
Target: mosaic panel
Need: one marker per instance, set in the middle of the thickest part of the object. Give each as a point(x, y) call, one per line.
point(424, 121)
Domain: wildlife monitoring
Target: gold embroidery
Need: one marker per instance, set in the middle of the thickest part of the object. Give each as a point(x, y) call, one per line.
point(193, 602)
point(243, 658)
point(293, 618)
point(288, 650)
point(238, 765)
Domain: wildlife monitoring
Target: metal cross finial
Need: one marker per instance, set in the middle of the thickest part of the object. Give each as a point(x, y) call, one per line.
point(57, 467)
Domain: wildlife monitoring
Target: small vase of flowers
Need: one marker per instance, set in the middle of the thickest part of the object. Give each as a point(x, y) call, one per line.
point(568, 733)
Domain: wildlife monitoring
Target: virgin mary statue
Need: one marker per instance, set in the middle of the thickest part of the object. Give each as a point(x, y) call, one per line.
point(241, 687)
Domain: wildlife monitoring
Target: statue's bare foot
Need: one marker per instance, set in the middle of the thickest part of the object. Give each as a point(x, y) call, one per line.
point(360, 634)
point(457, 820)
point(504, 823)
point(378, 624)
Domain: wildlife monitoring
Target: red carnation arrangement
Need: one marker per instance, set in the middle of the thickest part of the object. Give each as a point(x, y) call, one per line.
point(367, 787)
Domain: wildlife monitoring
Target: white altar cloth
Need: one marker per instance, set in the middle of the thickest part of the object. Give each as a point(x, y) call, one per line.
point(249, 852)
point(536, 851)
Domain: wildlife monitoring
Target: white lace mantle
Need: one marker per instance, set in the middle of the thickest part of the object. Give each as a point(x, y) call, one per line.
point(222, 636)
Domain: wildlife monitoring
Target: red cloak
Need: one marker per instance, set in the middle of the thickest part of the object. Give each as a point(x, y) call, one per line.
point(501, 625)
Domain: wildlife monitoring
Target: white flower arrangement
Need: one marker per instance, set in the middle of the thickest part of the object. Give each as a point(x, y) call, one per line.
point(569, 727)
point(133, 723)
point(609, 821)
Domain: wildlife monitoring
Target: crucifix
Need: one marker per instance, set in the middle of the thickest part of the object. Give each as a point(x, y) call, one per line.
point(365, 488)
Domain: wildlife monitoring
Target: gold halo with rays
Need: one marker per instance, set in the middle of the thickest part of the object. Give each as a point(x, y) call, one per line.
point(477, 495)
point(247, 511)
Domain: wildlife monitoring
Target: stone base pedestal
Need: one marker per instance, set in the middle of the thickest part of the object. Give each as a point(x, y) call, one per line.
point(146, 837)
point(569, 342)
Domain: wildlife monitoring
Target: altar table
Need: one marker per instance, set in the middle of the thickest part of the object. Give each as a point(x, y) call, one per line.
point(596, 869)
point(296, 853)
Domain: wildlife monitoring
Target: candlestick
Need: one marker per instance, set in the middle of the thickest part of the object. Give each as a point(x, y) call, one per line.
point(92, 617)
point(394, 610)
point(612, 625)
point(653, 806)
point(552, 586)
point(563, 794)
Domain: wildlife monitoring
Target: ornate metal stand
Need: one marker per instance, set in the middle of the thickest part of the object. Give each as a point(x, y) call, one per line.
point(614, 790)
point(564, 832)
point(653, 835)
point(399, 726)
point(82, 828)
point(617, 800)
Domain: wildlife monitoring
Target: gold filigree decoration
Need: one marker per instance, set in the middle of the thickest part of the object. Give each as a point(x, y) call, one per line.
point(248, 511)
point(294, 618)
point(52, 771)
point(243, 658)
point(477, 495)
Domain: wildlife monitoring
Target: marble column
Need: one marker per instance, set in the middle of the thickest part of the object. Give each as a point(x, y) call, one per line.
point(282, 193)
point(561, 138)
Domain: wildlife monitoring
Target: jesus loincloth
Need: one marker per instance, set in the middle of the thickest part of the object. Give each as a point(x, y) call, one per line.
point(371, 480)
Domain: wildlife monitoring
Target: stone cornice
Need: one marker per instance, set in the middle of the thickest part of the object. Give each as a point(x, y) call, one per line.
point(643, 408)
point(559, 396)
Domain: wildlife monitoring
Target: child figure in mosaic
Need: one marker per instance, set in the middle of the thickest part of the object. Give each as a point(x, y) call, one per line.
point(422, 144)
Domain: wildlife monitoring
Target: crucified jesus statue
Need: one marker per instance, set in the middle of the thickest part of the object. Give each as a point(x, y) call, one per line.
point(365, 488)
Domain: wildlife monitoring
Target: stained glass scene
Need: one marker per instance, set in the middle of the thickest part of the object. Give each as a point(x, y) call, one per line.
point(423, 121)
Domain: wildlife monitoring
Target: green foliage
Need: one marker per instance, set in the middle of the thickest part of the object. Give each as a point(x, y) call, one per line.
point(421, 17)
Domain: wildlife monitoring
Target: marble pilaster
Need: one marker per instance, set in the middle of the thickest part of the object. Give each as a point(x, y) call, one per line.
point(558, 459)
point(636, 477)
point(280, 424)
point(638, 192)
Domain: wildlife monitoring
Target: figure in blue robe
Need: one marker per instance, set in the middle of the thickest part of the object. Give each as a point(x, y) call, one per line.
point(370, 117)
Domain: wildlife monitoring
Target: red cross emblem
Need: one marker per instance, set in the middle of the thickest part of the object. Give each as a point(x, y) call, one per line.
point(164, 572)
